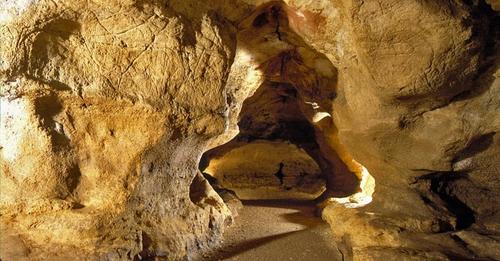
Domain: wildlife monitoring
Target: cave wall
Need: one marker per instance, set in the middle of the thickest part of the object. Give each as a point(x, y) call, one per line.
point(417, 105)
point(107, 107)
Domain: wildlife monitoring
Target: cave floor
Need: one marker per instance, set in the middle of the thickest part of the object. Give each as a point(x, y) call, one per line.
point(277, 230)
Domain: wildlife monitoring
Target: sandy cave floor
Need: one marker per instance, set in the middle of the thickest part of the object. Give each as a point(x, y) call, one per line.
point(277, 230)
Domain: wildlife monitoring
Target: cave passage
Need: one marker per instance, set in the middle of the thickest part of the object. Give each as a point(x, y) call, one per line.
point(286, 147)
point(275, 155)
point(276, 166)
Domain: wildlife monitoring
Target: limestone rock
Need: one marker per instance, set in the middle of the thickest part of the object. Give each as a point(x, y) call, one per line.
point(422, 117)
point(107, 107)
point(103, 105)
point(267, 170)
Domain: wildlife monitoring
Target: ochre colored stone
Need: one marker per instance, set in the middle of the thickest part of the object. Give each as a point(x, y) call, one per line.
point(108, 106)
point(268, 170)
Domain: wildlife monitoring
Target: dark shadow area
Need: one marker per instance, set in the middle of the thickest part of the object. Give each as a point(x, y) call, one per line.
point(476, 146)
point(197, 189)
point(46, 108)
point(437, 191)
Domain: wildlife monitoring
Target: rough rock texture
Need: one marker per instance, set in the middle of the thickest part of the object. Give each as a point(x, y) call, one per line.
point(107, 107)
point(418, 106)
point(267, 170)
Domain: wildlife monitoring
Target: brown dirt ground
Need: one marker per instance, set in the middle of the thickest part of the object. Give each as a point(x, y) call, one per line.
point(274, 231)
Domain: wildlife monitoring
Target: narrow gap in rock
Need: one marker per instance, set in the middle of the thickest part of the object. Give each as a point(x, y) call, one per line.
point(437, 190)
point(442, 185)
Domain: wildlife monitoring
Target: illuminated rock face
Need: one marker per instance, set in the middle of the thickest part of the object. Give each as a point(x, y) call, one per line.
point(268, 170)
point(107, 107)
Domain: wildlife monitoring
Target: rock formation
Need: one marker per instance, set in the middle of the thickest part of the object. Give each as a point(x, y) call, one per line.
point(108, 106)
point(268, 170)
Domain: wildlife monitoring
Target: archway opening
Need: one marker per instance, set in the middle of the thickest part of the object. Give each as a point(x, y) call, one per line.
point(283, 158)
point(275, 155)
point(286, 146)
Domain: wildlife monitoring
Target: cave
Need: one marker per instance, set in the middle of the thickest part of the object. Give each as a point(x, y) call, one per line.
point(275, 155)
point(249, 130)
point(271, 125)
point(283, 156)
point(285, 146)
point(276, 166)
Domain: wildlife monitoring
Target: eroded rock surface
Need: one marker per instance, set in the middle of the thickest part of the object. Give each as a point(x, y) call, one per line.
point(107, 107)
point(268, 170)
point(103, 106)
point(418, 106)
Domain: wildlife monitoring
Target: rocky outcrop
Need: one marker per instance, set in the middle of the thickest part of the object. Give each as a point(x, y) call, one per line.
point(107, 107)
